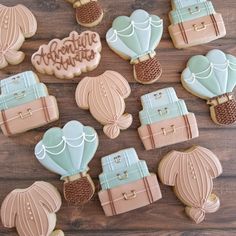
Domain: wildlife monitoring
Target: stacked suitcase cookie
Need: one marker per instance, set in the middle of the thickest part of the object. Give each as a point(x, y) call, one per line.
point(25, 104)
point(194, 22)
point(165, 120)
point(126, 183)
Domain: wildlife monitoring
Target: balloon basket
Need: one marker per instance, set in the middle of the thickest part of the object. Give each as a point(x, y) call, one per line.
point(223, 109)
point(147, 71)
point(79, 191)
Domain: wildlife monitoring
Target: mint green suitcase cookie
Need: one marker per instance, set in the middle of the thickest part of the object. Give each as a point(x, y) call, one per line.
point(184, 3)
point(132, 173)
point(168, 111)
point(23, 96)
point(191, 12)
point(159, 98)
point(18, 82)
point(119, 160)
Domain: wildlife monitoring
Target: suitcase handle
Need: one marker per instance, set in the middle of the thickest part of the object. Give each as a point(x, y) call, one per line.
point(131, 196)
point(197, 10)
point(117, 159)
point(164, 111)
point(124, 176)
point(26, 115)
point(171, 131)
point(19, 95)
point(199, 27)
point(158, 95)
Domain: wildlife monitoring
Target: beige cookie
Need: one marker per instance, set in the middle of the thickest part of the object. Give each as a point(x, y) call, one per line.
point(16, 24)
point(32, 210)
point(70, 56)
point(191, 173)
point(89, 13)
point(104, 96)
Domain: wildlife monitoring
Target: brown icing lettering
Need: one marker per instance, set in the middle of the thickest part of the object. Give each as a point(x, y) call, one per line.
point(66, 53)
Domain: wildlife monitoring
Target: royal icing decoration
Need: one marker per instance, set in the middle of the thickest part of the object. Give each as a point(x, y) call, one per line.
point(16, 24)
point(104, 96)
point(135, 38)
point(191, 173)
point(32, 210)
point(67, 152)
point(213, 78)
point(70, 56)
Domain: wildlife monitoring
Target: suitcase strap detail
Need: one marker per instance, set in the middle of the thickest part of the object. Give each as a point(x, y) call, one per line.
point(151, 136)
point(148, 190)
point(188, 127)
point(45, 109)
point(215, 24)
point(113, 209)
point(4, 118)
point(183, 32)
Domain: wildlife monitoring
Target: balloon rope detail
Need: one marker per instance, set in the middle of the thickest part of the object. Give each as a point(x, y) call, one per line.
point(65, 141)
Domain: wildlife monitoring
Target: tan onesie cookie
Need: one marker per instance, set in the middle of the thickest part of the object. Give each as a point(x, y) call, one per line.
point(16, 24)
point(191, 173)
point(104, 96)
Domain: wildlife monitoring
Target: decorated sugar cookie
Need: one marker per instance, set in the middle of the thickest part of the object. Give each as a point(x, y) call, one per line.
point(89, 13)
point(191, 173)
point(213, 78)
point(70, 56)
point(32, 210)
point(16, 24)
point(104, 96)
point(135, 38)
point(67, 152)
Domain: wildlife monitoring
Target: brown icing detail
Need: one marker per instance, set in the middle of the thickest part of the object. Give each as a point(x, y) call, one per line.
point(70, 56)
point(104, 96)
point(130, 196)
point(113, 209)
point(182, 30)
point(31, 210)
point(148, 71)
point(147, 187)
point(5, 123)
point(191, 174)
point(223, 109)
point(215, 24)
point(198, 31)
point(170, 131)
point(88, 13)
point(16, 24)
point(79, 191)
point(45, 110)
point(29, 116)
point(151, 136)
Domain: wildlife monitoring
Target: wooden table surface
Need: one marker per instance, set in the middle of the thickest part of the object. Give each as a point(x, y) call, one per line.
point(19, 168)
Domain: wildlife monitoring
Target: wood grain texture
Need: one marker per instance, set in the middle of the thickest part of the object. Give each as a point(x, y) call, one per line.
point(19, 168)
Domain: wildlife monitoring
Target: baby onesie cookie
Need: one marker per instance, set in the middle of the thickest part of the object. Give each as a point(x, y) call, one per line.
point(213, 78)
point(89, 13)
point(195, 24)
point(16, 24)
point(104, 96)
point(165, 120)
point(191, 173)
point(70, 56)
point(32, 210)
point(67, 152)
point(135, 38)
point(128, 185)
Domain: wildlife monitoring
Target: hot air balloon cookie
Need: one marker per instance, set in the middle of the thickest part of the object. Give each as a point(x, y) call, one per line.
point(135, 38)
point(16, 24)
point(104, 96)
point(89, 13)
point(213, 78)
point(67, 152)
